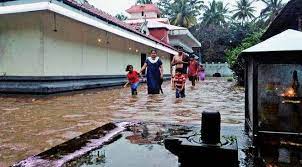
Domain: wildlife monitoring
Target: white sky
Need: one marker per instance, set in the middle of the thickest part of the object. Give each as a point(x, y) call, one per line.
point(114, 7)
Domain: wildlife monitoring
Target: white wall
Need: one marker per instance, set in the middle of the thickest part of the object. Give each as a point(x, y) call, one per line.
point(20, 45)
point(222, 68)
point(63, 50)
point(166, 62)
point(29, 46)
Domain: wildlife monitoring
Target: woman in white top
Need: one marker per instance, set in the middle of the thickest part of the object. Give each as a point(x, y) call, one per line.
point(154, 73)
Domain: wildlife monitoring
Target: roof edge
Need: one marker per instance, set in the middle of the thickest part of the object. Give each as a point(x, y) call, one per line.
point(265, 34)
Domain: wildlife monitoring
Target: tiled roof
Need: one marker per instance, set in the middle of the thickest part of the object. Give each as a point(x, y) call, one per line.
point(136, 26)
point(91, 10)
point(143, 8)
point(288, 40)
point(141, 20)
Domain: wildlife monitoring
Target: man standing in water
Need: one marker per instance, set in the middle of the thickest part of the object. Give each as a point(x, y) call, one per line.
point(181, 63)
point(193, 69)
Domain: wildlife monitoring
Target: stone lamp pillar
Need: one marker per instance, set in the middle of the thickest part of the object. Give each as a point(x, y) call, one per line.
point(210, 127)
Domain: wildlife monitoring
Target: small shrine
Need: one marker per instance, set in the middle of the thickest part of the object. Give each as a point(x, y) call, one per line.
point(273, 82)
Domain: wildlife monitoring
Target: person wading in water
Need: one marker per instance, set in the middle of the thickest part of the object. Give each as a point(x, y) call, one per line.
point(154, 73)
point(179, 82)
point(193, 69)
point(133, 79)
point(181, 63)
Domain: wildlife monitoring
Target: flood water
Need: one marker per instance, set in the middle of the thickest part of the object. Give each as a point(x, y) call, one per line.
point(32, 124)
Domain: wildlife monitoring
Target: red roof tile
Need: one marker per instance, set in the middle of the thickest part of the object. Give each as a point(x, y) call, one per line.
point(143, 8)
point(136, 26)
point(90, 9)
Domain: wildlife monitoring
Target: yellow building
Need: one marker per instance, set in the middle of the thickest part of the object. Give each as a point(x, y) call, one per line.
point(53, 46)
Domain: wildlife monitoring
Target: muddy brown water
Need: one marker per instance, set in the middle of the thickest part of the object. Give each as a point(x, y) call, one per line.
point(32, 124)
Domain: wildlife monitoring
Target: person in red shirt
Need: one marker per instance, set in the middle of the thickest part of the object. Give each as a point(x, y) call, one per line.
point(133, 79)
point(193, 69)
point(179, 83)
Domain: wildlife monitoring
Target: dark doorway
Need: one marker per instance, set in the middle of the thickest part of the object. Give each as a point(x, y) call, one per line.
point(217, 75)
point(143, 59)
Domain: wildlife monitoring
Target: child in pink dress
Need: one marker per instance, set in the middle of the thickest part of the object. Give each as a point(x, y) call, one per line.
point(201, 73)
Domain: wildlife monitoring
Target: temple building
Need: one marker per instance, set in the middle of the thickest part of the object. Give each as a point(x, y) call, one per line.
point(146, 18)
point(63, 45)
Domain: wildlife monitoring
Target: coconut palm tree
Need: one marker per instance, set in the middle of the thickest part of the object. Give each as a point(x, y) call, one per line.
point(144, 2)
point(215, 13)
point(184, 13)
point(271, 10)
point(181, 12)
point(244, 10)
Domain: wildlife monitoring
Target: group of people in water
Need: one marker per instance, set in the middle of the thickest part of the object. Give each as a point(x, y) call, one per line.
point(183, 67)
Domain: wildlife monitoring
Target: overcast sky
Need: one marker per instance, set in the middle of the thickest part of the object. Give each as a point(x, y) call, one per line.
point(114, 7)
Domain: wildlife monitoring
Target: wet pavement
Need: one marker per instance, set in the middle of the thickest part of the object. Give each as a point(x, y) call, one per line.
point(32, 124)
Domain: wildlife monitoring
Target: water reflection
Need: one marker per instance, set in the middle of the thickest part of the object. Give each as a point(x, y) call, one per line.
point(97, 158)
point(31, 124)
point(133, 149)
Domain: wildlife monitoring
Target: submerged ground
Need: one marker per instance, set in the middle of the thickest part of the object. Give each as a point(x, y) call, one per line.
point(32, 124)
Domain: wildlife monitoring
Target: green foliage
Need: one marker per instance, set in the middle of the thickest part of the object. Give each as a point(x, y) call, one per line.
point(165, 8)
point(232, 55)
point(230, 79)
point(181, 12)
point(222, 37)
point(230, 139)
point(121, 17)
point(216, 13)
point(271, 10)
point(144, 2)
point(244, 10)
point(216, 39)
